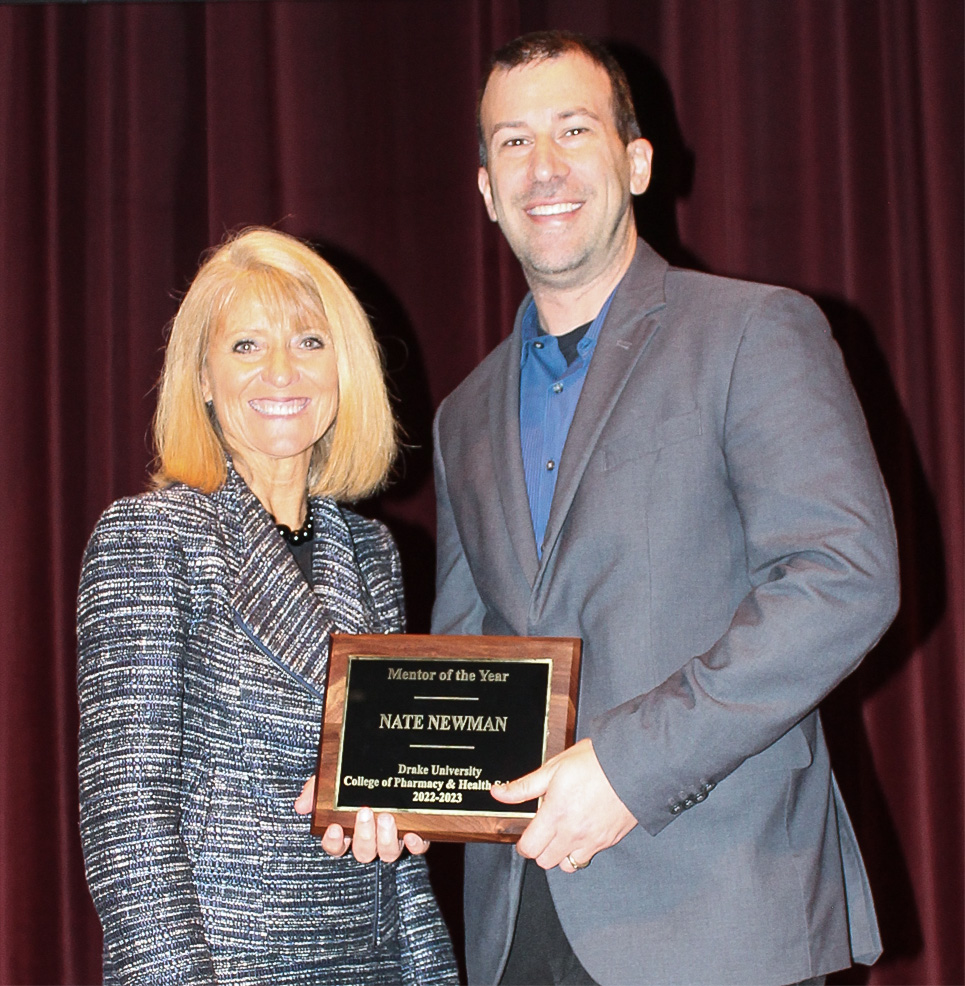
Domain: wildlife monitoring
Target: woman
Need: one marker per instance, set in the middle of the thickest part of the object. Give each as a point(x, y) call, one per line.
point(203, 622)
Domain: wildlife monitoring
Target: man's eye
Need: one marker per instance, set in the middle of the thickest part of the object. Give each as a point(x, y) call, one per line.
point(575, 131)
point(515, 142)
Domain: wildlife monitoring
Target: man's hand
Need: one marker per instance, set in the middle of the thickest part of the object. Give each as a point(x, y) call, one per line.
point(373, 836)
point(580, 814)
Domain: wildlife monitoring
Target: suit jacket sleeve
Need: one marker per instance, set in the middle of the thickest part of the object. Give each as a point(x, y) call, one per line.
point(458, 607)
point(821, 566)
point(134, 597)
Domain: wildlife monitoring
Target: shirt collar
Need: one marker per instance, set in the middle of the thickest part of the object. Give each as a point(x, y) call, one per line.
point(529, 328)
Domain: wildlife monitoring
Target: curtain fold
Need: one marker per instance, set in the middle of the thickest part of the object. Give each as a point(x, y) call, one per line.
point(813, 143)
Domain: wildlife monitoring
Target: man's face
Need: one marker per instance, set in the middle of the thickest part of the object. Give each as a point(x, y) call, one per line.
point(558, 179)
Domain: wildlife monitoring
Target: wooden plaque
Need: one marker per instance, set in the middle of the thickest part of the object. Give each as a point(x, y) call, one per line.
point(421, 726)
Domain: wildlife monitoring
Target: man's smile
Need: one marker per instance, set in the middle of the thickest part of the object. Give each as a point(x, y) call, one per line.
point(553, 208)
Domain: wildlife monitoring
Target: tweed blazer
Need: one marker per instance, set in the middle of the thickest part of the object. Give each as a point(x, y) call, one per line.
point(202, 662)
point(721, 540)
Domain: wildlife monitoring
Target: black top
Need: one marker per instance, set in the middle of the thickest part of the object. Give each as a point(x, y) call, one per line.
point(569, 341)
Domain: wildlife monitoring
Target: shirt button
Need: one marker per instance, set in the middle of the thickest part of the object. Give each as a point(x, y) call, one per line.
point(550, 465)
point(557, 387)
point(537, 344)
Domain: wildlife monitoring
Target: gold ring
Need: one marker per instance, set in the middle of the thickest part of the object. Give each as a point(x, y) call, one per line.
point(575, 864)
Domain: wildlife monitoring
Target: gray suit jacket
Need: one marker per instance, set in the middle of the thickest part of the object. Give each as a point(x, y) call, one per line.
point(721, 540)
point(203, 657)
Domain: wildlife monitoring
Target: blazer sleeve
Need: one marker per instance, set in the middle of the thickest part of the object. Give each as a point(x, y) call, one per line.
point(458, 608)
point(821, 564)
point(132, 629)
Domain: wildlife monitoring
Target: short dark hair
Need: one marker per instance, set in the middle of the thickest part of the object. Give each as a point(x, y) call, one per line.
point(542, 45)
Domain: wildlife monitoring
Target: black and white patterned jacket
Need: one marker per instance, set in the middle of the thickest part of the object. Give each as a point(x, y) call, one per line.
point(202, 662)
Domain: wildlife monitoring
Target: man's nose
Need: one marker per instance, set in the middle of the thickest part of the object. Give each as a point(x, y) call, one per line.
point(546, 162)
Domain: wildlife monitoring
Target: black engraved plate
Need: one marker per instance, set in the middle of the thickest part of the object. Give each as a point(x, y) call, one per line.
point(437, 734)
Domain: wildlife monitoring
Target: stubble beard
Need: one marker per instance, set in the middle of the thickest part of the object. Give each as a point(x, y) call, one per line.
point(550, 267)
point(539, 267)
point(544, 262)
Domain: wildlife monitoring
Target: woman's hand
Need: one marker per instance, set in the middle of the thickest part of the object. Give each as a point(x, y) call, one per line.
point(374, 835)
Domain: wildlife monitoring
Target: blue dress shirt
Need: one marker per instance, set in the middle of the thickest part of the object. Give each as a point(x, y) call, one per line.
point(548, 394)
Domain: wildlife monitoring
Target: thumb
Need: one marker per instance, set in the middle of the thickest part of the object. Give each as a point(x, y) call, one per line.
point(306, 800)
point(525, 788)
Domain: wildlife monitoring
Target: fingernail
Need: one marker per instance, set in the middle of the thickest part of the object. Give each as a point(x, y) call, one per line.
point(365, 815)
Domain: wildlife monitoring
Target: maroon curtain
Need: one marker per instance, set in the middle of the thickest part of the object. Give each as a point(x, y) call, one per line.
point(814, 143)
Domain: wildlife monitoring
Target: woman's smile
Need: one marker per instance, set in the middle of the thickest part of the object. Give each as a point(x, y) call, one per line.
point(279, 407)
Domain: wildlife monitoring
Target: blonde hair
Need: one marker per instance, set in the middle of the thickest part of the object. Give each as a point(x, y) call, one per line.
point(352, 459)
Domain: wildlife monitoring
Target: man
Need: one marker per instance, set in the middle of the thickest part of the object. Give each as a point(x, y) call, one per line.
point(673, 467)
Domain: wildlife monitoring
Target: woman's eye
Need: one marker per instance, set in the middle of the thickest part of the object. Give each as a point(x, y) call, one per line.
point(313, 342)
point(243, 346)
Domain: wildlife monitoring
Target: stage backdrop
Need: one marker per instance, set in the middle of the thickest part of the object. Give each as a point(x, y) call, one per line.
point(813, 143)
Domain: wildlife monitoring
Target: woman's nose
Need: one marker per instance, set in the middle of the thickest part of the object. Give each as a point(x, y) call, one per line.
point(279, 367)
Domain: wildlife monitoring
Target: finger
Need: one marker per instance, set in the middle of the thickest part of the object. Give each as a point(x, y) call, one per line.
point(582, 858)
point(534, 843)
point(387, 835)
point(566, 851)
point(549, 836)
point(545, 839)
point(550, 854)
point(364, 847)
point(566, 866)
point(335, 842)
point(524, 788)
point(306, 800)
point(415, 843)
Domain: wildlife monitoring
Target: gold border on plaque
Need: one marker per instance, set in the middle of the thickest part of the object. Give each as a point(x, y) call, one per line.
point(435, 821)
point(337, 782)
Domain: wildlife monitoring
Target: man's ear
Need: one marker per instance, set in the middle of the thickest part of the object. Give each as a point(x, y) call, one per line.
point(640, 156)
point(485, 190)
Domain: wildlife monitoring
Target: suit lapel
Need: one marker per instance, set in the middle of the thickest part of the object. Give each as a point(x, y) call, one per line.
point(273, 604)
point(629, 326)
point(508, 454)
point(339, 585)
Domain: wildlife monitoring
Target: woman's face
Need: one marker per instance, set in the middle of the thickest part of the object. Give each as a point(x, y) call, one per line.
point(274, 386)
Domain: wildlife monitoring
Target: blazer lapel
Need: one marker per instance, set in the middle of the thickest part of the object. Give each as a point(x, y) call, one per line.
point(274, 605)
point(507, 453)
point(629, 326)
point(339, 585)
